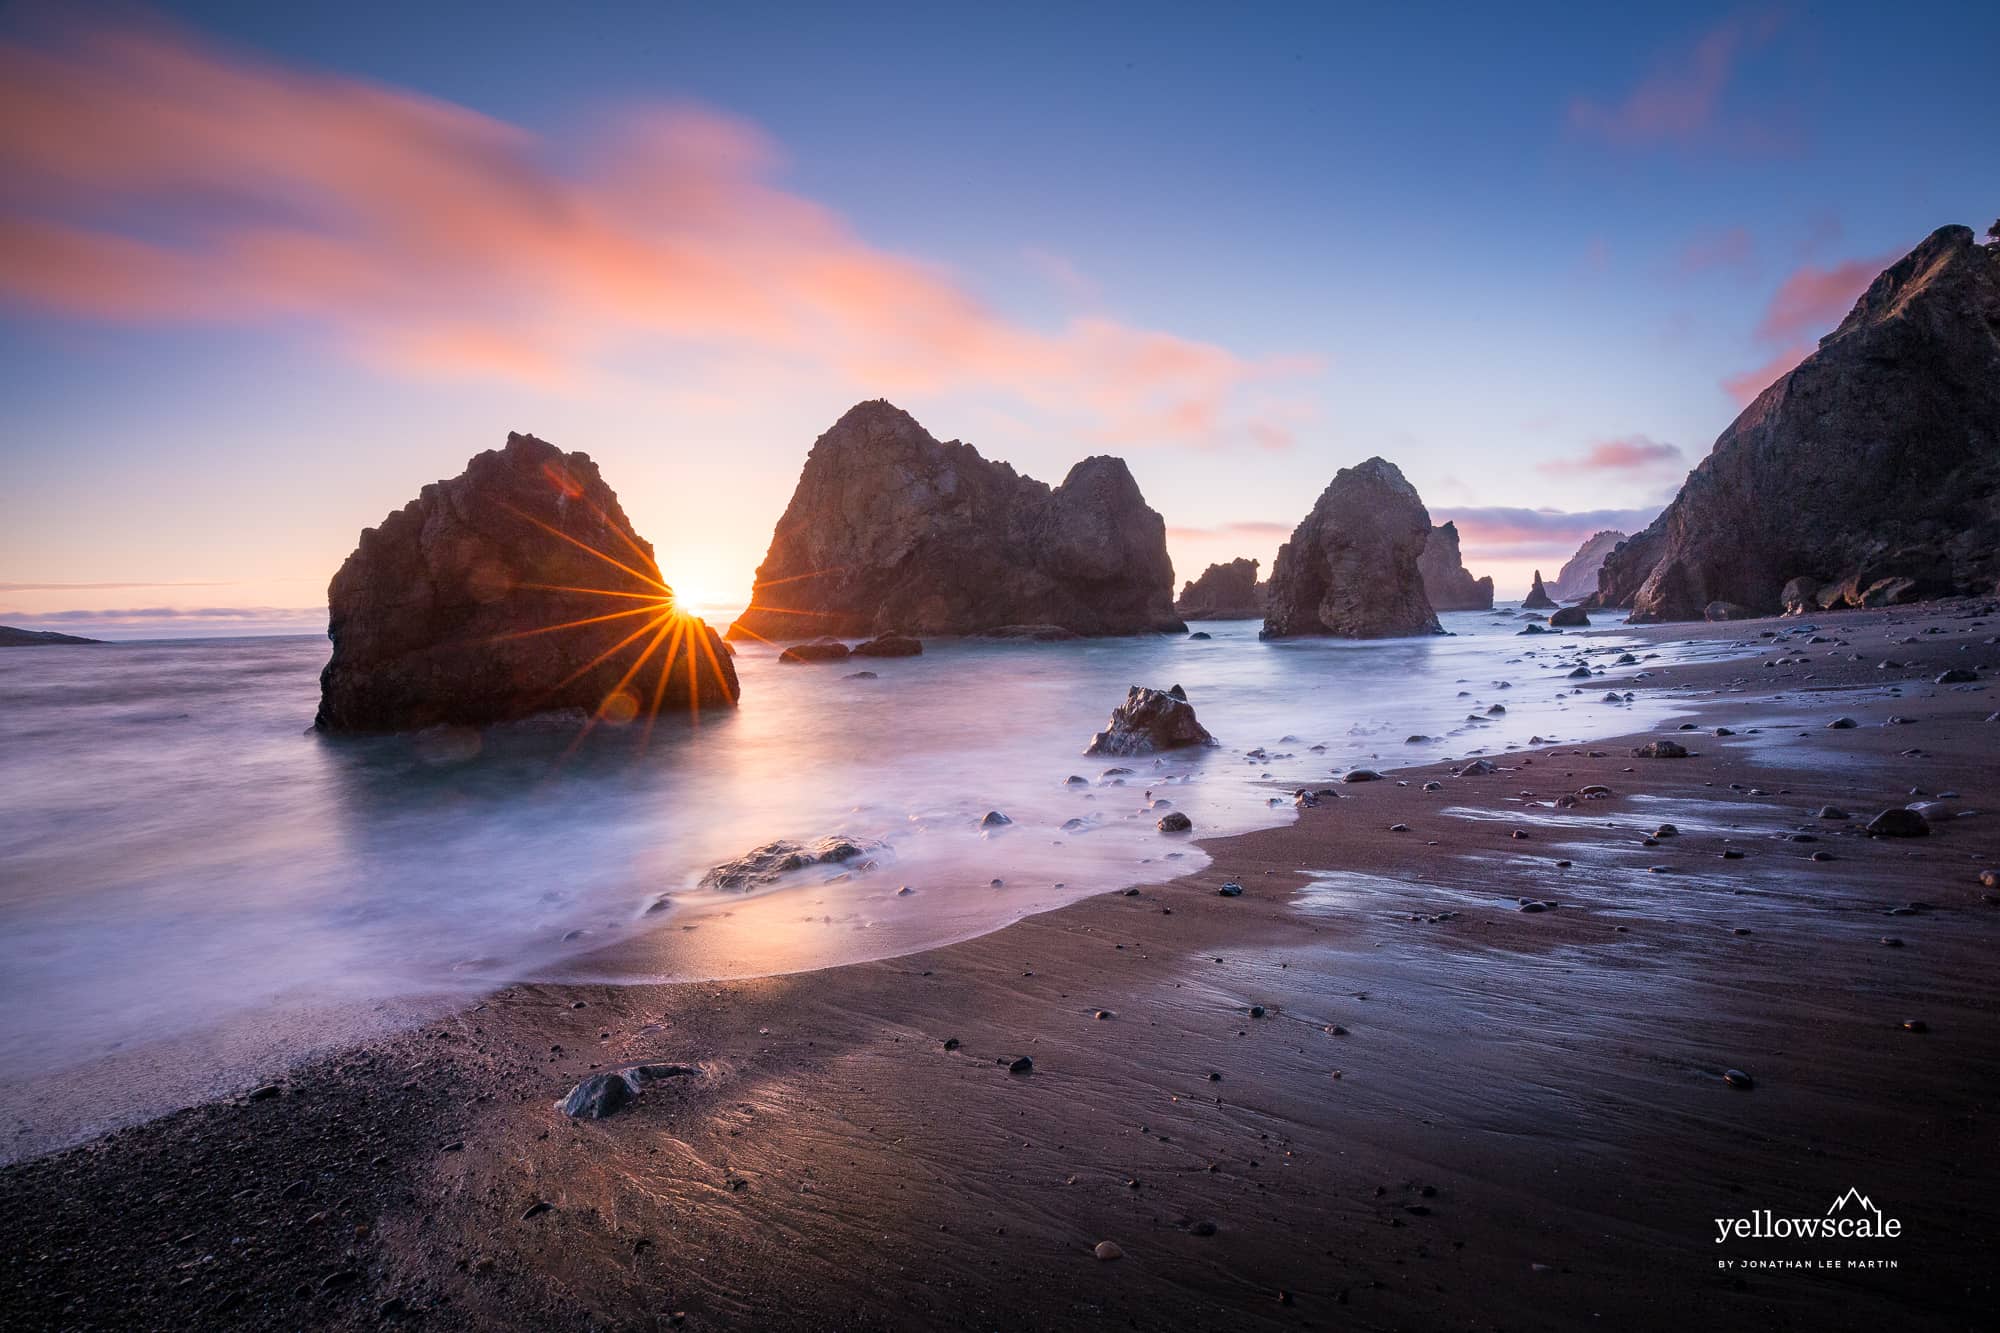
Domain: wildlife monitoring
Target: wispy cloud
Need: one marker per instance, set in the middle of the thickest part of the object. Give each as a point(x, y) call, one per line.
point(1682, 102)
point(1809, 303)
point(1730, 248)
point(1634, 453)
point(103, 587)
point(1247, 529)
point(152, 178)
point(1497, 532)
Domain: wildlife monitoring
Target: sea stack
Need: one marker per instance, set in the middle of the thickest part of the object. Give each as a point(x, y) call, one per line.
point(1224, 592)
point(1538, 598)
point(517, 587)
point(1447, 582)
point(891, 530)
point(1577, 578)
point(1870, 472)
point(1350, 569)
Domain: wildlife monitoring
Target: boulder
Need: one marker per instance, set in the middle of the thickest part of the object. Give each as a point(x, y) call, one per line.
point(761, 866)
point(889, 645)
point(1224, 592)
point(1577, 579)
point(889, 529)
point(1660, 750)
point(517, 587)
point(1569, 617)
point(1800, 596)
point(817, 650)
point(1727, 611)
point(1350, 569)
point(1447, 582)
point(1899, 824)
point(1149, 721)
point(1875, 460)
point(1538, 598)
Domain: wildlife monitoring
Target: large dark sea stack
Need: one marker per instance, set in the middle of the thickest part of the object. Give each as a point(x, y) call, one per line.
point(517, 587)
point(1224, 592)
point(1538, 598)
point(1447, 582)
point(1871, 470)
point(1350, 569)
point(891, 530)
point(1577, 578)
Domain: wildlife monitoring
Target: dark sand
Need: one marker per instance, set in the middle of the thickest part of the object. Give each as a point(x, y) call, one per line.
point(1523, 1125)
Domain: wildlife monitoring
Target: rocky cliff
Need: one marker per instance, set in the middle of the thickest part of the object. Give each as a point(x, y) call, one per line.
point(1447, 582)
point(1350, 569)
point(1872, 470)
point(889, 529)
point(10, 637)
point(1578, 577)
point(516, 587)
point(1224, 592)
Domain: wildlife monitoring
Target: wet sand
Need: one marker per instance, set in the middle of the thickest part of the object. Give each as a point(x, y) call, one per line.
point(1450, 1114)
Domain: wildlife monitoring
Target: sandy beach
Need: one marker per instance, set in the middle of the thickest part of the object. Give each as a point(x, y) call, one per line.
point(1369, 1090)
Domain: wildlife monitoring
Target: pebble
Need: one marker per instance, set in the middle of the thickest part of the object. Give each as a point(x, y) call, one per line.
point(1231, 890)
point(1176, 822)
point(1736, 1078)
point(1915, 1025)
point(1021, 1065)
point(1108, 1250)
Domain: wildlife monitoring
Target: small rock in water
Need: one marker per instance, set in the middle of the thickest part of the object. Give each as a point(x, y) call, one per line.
point(1832, 812)
point(1108, 1250)
point(1915, 1025)
point(1362, 775)
point(1842, 724)
point(994, 819)
point(1175, 823)
point(1231, 889)
point(1736, 1078)
point(1021, 1065)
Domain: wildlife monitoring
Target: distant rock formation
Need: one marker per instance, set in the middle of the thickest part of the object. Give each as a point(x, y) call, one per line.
point(890, 530)
point(1872, 470)
point(1350, 569)
point(1578, 577)
point(1224, 592)
point(1447, 582)
point(517, 587)
point(11, 637)
point(1538, 598)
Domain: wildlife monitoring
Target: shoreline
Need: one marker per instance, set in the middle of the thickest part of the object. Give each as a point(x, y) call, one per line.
point(1553, 1082)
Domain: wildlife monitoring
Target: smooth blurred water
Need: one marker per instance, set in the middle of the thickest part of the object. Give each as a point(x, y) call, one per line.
point(178, 854)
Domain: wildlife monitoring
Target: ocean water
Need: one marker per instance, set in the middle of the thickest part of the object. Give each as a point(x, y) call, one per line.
point(194, 889)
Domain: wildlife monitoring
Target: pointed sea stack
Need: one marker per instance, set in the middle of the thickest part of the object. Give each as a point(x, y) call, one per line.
point(1224, 592)
point(515, 588)
point(1538, 598)
point(890, 530)
point(1350, 569)
point(1870, 472)
point(1447, 582)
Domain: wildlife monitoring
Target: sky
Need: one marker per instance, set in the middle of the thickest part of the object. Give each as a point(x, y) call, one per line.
point(267, 270)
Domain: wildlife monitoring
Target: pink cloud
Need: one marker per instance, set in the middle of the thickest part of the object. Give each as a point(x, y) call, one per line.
point(1498, 532)
point(1681, 101)
point(1249, 529)
point(1808, 304)
point(1633, 453)
point(1745, 387)
point(153, 179)
point(1812, 300)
